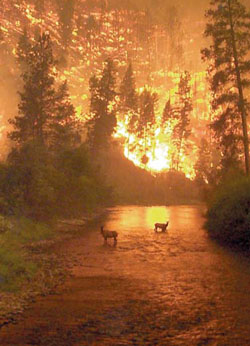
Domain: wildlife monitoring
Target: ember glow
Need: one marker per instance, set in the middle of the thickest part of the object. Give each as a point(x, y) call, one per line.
point(159, 54)
point(159, 155)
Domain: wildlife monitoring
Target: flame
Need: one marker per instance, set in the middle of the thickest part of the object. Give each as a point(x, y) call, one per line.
point(159, 160)
point(161, 149)
point(86, 59)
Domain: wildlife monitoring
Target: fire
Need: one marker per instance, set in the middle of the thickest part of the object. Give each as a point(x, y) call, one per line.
point(159, 160)
point(117, 37)
point(158, 155)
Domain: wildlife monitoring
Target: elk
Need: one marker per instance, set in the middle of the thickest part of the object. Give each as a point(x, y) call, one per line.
point(109, 234)
point(162, 226)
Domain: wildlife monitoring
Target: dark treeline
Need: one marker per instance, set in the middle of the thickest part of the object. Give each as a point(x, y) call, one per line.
point(59, 166)
point(48, 172)
point(52, 170)
point(83, 37)
point(229, 65)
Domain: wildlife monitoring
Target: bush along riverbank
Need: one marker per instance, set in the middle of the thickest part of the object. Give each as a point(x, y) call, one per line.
point(228, 216)
point(29, 266)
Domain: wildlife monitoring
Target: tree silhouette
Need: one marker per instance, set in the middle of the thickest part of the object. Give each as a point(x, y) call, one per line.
point(102, 108)
point(45, 114)
point(229, 28)
point(181, 113)
point(146, 121)
point(129, 103)
point(66, 10)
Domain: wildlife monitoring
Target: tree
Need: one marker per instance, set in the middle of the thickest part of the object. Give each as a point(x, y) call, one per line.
point(175, 36)
point(146, 121)
point(49, 174)
point(66, 10)
point(45, 115)
point(102, 121)
point(168, 121)
point(129, 102)
point(229, 66)
point(30, 186)
point(128, 95)
point(168, 115)
point(181, 113)
point(37, 96)
point(23, 50)
point(91, 30)
point(66, 13)
point(64, 127)
point(206, 167)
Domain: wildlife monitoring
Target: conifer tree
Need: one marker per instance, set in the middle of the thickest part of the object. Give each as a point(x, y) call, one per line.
point(147, 103)
point(167, 115)
point(66, 12)
point(64, 129)
point(146, 121)
point(168, 121)
point(44, 112)
point(23, 50)
point(66, 9)
point(37, 96)
point(102, 108)
point(206, 167)
point(128, 95)
point(229, 66)
point(91, 30)
point(129, 102)
point(181, 113)
point(45, 132)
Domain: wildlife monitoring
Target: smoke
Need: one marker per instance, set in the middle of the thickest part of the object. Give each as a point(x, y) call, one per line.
point(194, 9)
point(189, 14)
point(8, 95)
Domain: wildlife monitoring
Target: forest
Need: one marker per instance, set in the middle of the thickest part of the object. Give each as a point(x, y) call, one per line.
point(108, 103)
point(124, 172)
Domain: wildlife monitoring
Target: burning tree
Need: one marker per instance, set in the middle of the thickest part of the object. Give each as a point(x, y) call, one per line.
point(90, 32)
point(173, 27)
point(128, 95)
point(228, 55)
point(146, 122)
point(181, 114)
point(129, 104)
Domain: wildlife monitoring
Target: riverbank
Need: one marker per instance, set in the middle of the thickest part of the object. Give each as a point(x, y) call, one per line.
point(173, 288)
point(34, 266)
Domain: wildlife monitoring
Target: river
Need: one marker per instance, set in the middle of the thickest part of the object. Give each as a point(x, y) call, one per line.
point(167, 289)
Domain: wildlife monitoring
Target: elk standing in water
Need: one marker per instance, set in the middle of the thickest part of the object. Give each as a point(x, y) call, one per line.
point(162, 226)
point(109, 234)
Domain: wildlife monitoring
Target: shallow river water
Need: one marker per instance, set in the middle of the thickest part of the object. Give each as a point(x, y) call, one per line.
point(173, 288)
